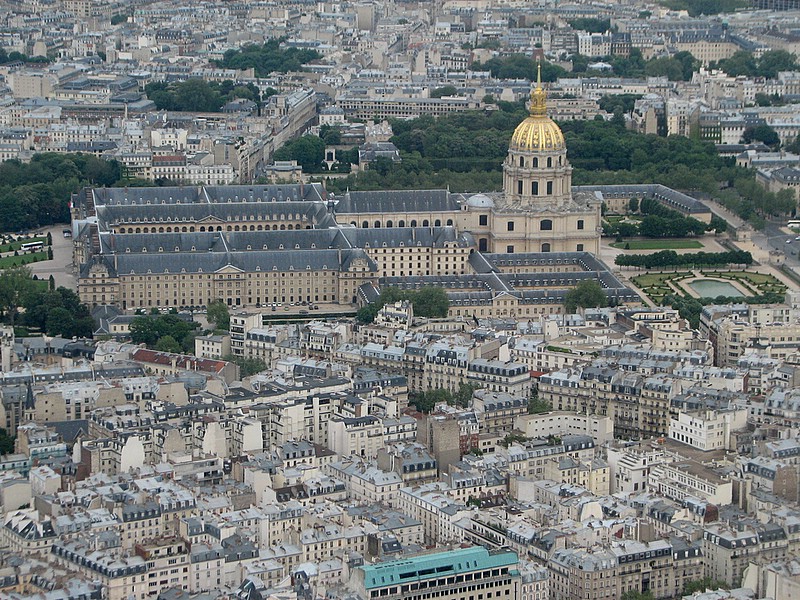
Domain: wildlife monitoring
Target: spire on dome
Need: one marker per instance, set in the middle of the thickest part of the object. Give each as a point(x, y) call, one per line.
point(538, 96)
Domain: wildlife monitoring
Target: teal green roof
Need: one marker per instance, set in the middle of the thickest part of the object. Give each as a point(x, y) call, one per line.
point(428, 566)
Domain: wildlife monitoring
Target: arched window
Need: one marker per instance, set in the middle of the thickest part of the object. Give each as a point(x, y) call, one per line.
point(549, 161)
point(535, 162)
point(413, 223)
point(546, 225)
point(449, 222)
point(521, 161)
point(365, 225)
point(389, 223)
point(545, 247)
point(401, 223)
point(437, 223)
point(377, 224)
point(425, 223)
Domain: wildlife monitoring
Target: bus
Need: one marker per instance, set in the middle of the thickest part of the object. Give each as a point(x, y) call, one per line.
point(32, 246)
point(794, 224)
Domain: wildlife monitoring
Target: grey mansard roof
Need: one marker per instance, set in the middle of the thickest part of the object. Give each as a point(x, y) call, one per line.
point(395, 201)
point(296, 239)
point(208, 194)
point(252, 261)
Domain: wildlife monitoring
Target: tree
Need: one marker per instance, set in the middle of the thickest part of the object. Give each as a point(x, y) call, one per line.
point(761, 133)
point(430, 301)
point(15, 283)
point(308, 151)
point(702, 585)
point(633, 205)
point(463, 397)
point(587, 294)
point(426, 401)
point(268, 58)
point(219, 315)
point(6, 442)
point(717, 224)
point(247, 366)
point(774, 61)
point(590, 25)
point(51, 283)
point(59, 322)
point(168, 343)
point(447, 90)
point(143, 330)
point(537, 406)
point(636, 595)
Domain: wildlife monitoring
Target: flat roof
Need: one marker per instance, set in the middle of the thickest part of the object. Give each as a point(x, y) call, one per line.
point(428, 566)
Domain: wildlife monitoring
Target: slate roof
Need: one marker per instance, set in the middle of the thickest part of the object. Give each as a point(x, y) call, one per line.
point(398, 201)
point(248, 261)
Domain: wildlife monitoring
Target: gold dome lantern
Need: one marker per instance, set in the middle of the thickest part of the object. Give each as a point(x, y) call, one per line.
point(538, 132)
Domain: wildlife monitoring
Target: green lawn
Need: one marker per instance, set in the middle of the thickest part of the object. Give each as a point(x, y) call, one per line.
point(24, 259)
point(657, 244)
point(12, 246)
point(760, 283)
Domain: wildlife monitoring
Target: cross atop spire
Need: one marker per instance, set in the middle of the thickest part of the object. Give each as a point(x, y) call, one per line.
point(538, 96)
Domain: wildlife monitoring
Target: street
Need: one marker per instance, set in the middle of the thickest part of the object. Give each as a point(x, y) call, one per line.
point(61, 265)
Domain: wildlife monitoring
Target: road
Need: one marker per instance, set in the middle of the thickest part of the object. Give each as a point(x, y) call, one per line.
point(774, 237)
point(61, 265)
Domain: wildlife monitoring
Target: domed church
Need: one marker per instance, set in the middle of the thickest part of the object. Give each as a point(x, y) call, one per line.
point(538, 210)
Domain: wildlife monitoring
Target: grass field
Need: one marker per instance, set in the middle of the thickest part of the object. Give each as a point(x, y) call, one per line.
point(760, 283)
point(12, 246)
point(24, 259)
point(657, 244)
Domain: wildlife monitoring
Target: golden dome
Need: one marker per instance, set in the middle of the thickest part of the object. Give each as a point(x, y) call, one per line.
point(538, 132)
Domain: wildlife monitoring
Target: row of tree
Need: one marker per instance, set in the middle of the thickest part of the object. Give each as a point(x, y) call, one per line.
point(428, 301)
point(670, 258)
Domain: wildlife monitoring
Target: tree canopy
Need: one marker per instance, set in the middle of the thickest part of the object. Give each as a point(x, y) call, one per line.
point(587, 294)
point(218, 314)
point(37, 193)
point(267, 58)
point(761, 133)
point(466, 150)
point(519, 66)
point(767, 65)
point(57, 312)
point(670, 258)
point(167, 333)
point(591, 25)
point(199, 95)
point(426, 401)
point(429, 301)
point(705, 7)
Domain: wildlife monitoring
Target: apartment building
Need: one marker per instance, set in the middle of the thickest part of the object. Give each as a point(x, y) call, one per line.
point(462, 574)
